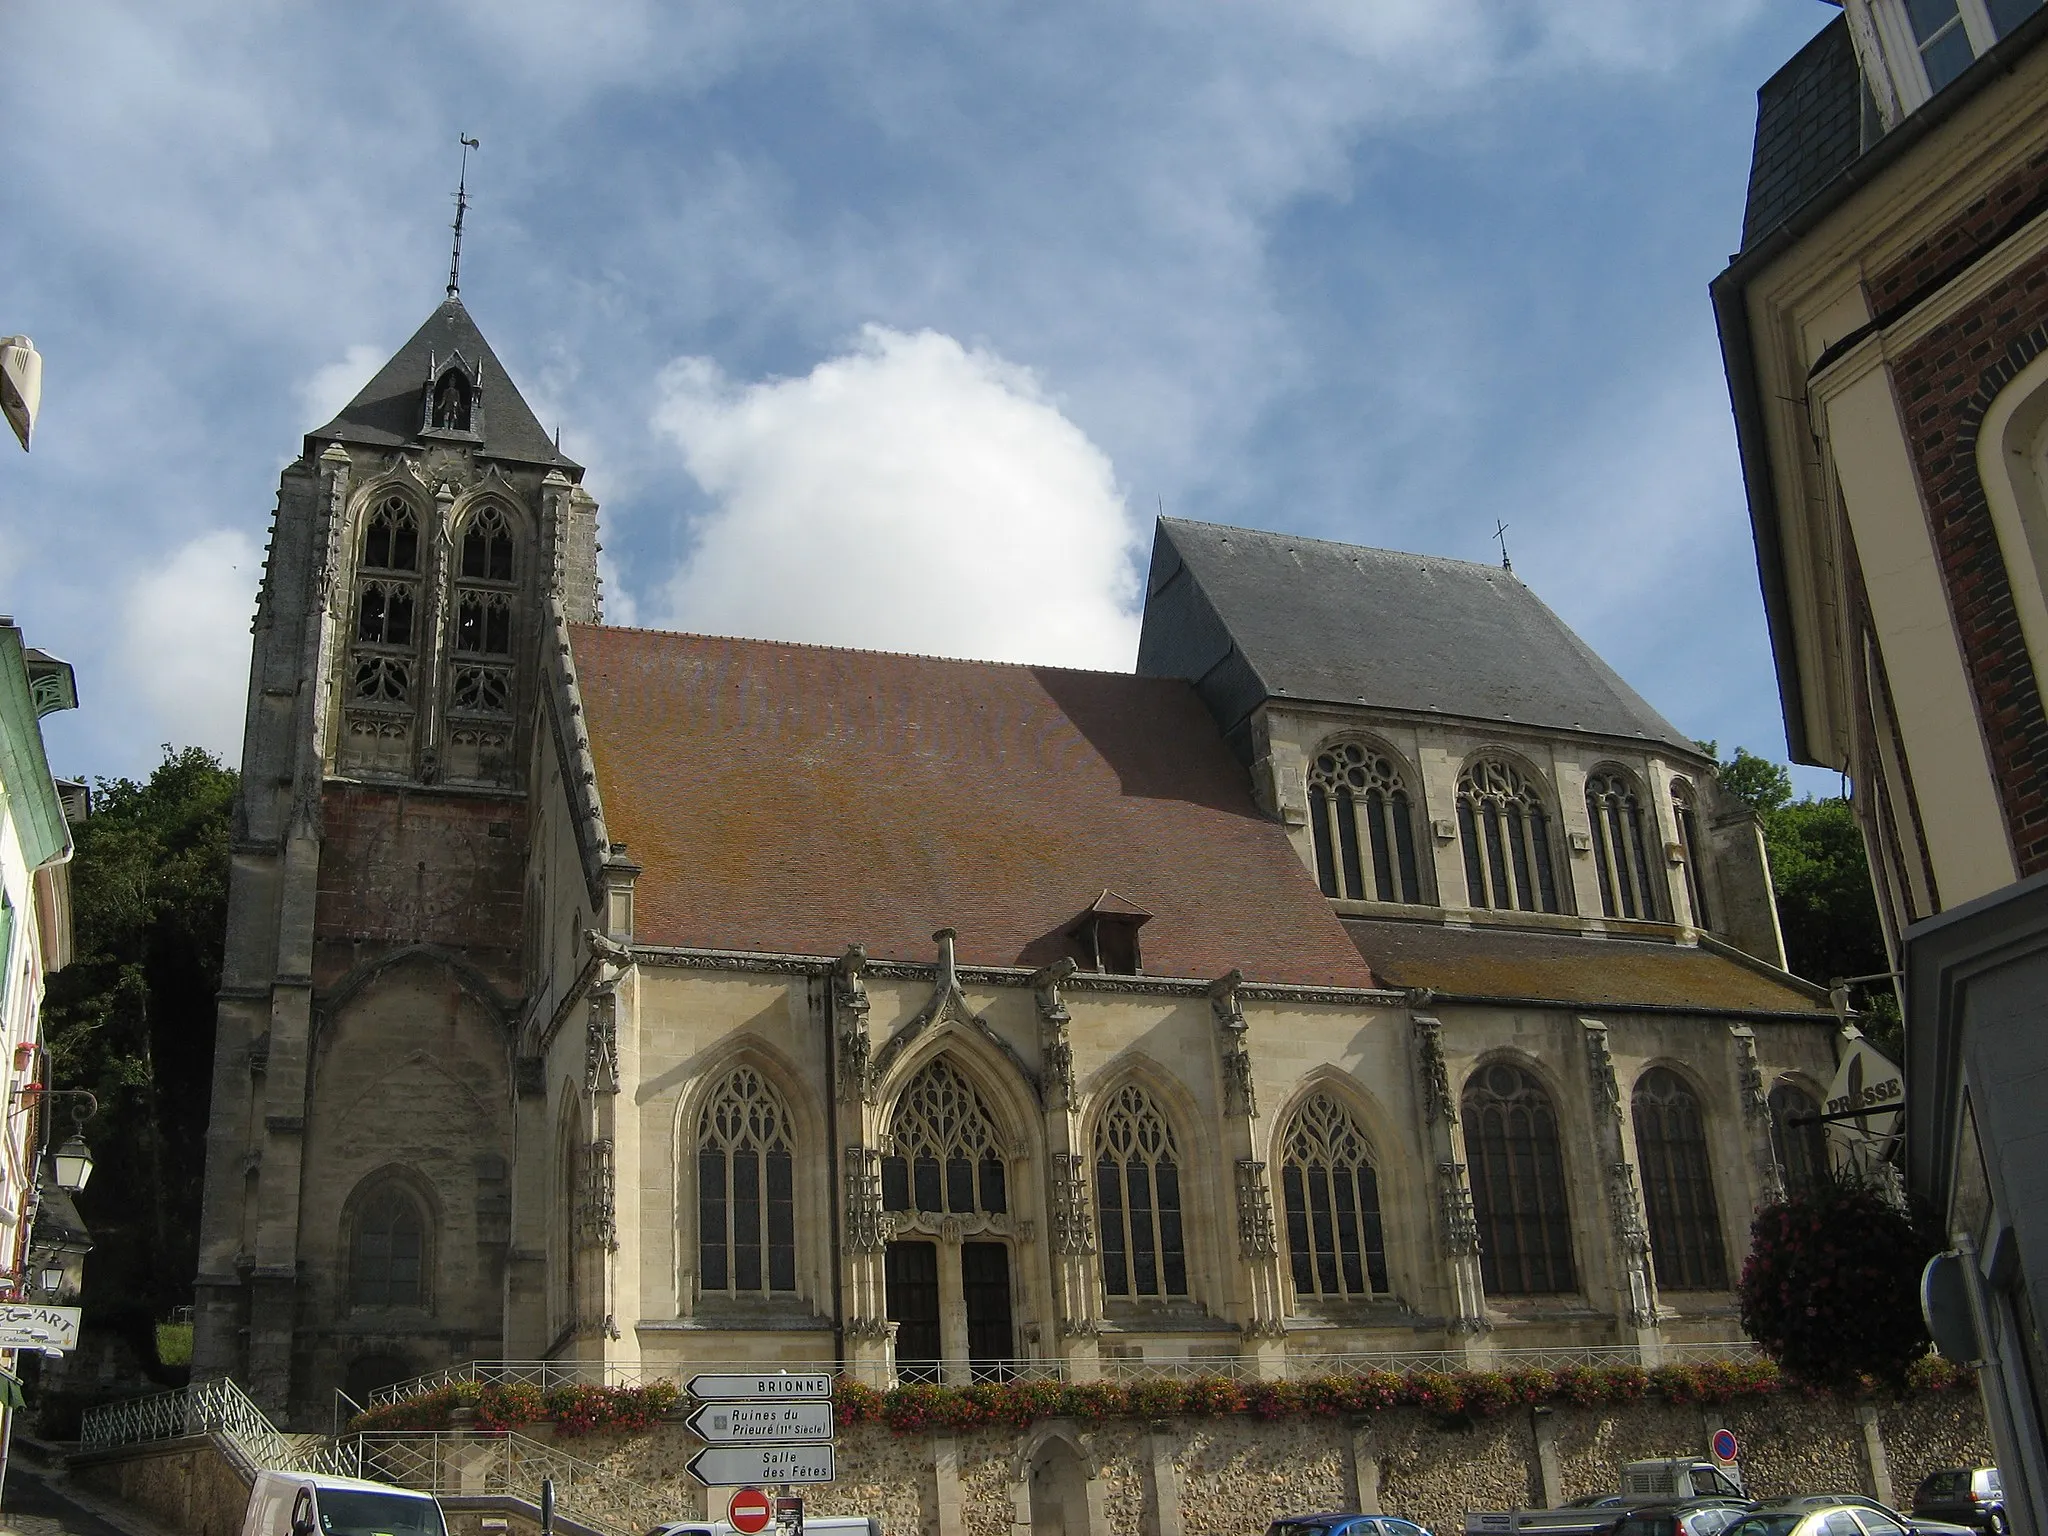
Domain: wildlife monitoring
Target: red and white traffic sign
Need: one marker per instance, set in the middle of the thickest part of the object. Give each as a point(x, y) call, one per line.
point(750, 1511)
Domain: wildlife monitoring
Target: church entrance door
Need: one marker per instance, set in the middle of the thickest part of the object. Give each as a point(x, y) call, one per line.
point(911, 1271)
point(985, 1288)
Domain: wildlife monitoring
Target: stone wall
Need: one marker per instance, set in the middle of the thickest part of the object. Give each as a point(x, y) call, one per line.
point(184, 1485)
point(1231, 1476)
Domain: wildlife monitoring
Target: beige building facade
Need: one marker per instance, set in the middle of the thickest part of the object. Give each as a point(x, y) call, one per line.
point(657, 1000)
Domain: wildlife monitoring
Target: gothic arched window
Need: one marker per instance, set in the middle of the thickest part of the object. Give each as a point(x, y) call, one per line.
point(387, 607)
point(1335, 1244)
point(1518, 1193)
point(944, 1152)
point(1686, 815)
point(487, 547)
point(391, 537)
point(1359, 815)
point(1678, 1184)
point(1506, 834)
point(387, 1257)
point(746, 1189)
point(483, 624)
point(1801, 1149)
point(1137, 1196)
point(1620, 855)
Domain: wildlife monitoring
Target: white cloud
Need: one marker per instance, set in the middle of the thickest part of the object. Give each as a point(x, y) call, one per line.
point(328, 389)
point(910, 495)
point(184, 643)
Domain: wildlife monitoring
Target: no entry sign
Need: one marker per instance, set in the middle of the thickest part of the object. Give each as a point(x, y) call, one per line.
point(750, 1511)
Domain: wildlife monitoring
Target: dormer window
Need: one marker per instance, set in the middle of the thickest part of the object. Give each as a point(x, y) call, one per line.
point(452, 400)
point(1910, 49)
point(1107, 934)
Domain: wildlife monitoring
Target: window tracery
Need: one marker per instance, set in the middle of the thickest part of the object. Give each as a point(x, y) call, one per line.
point(1505, 830)
point(1336, 1245)
point(746, 1190)
point(944, 1154)
point(1802, 1148)
point(1518, 1192)
point(1621, 857)
point(1362, 824)
point(483, 623)
point(1138, 1210)
point(487, 547)
point(391, 537)
point(386, 1257)
point(381, 677)
point(1678, 1184)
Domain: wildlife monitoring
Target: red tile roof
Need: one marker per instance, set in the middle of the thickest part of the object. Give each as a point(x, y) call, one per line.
point(795, 799)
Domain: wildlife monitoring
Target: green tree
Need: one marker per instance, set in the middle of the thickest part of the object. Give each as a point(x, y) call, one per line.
point(132, 1019)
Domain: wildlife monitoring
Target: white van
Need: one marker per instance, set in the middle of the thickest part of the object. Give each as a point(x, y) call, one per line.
point(300, 1504)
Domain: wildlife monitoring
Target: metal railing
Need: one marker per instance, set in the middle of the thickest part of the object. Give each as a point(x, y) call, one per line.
point(455, 1463)
point(1233, 1367)
point(218, 1408)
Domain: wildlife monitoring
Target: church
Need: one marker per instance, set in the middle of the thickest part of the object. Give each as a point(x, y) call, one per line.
point(1371, 972)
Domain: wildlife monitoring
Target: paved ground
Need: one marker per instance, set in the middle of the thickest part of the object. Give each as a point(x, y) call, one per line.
point(39, 1501)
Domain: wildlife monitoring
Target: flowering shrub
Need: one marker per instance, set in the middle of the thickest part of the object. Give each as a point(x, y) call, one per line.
point(922, 1408)
point(1831, 1286)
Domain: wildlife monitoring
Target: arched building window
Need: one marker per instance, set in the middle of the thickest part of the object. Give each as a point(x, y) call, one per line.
point(1518, 1192)
point(1678, 1184)
point(1621, 857)
point(387, 603)
point(1360, 818)
point(387, 1251)
point(480, 671)
point(1137, 1198)
point(1685, 812)
point(1801, 1149)
point(1335, 1244)
point(1506, 835)
point(746, 1190)
point(945, 1155)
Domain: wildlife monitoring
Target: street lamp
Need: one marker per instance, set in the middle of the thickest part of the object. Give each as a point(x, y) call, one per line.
point(73, 1163)
point(21, 385)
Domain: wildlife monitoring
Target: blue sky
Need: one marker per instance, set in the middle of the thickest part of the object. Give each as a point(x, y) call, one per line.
point(894, 324)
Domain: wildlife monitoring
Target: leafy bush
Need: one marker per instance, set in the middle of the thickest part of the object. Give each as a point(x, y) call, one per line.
point(1831, 1286)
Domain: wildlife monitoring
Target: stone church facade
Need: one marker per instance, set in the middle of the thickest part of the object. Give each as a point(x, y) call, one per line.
point(1371, 971)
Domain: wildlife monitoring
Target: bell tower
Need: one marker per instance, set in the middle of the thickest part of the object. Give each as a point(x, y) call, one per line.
point(358, 1186)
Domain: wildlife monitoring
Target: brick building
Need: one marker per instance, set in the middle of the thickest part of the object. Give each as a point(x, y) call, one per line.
point(1885, 328)
point(1372, 970)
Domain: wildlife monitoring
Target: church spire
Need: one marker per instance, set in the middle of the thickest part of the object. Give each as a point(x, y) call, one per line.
point(461, 207)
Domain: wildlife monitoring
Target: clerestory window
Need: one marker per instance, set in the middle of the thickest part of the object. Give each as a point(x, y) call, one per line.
point(1137, 1196)
point(1686, 814)
point(1361, 820)
point(1621, 856)
point(746, 1190)
point(1505, 830)
point(945, 1156)
point(1336, 1247)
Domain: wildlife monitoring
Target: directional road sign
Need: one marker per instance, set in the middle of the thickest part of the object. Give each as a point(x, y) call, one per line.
point(724, 1466)
point(775, 1384)
point(760, 1422)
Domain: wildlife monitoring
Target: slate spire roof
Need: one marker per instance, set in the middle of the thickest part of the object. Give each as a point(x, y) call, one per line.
point(388, 412)
point(1248, 616)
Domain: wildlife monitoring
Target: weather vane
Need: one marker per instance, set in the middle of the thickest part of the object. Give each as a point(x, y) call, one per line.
point(461, 207)
point(1500, 531)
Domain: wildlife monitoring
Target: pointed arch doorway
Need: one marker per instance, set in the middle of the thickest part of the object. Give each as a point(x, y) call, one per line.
point(949, 1274)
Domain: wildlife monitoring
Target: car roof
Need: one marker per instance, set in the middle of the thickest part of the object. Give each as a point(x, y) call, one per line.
point(320, 1480)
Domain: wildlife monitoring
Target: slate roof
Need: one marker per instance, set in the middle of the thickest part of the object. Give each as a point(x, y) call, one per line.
point(1809, 127)
point(1582, 971)
point(386, 413)
point(795, 799)
point(1249, 616)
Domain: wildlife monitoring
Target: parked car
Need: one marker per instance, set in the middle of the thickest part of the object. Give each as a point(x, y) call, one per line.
point(1662, 1481)
point(1971, 1496)
point(1687, 1517)
point(300, 1504)
point(1344, 1525)
point(814, 1525)
point(1836, 1514)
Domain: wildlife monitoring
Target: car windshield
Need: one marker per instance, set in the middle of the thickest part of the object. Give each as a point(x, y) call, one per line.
point(360, 1512)
point(1302, 1527)
point(1766, 1525)
point(1945, 1485)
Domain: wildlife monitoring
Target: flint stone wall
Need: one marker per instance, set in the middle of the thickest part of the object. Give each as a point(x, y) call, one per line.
point(1233, 1475)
